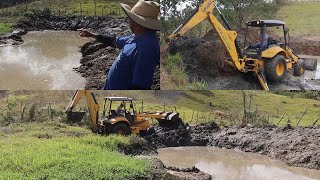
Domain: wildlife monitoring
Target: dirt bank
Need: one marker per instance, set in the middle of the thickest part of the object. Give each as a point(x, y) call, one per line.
point(297, 146)
point(160, 171)
point(97, 58)
point(308, 45)
point(96, 62)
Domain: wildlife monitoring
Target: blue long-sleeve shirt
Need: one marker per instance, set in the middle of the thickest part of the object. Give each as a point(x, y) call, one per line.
point(135, 65)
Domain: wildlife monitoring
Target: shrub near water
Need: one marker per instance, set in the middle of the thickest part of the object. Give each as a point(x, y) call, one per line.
point(86, 157)
point(176, 67)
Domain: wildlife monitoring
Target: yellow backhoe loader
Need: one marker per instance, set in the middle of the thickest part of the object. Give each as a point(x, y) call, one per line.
point(122, 120)
point(269, 62)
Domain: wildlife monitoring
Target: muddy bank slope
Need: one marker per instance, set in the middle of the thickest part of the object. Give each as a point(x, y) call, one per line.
point(159, 170)
point(97, 58)
point(297, 146)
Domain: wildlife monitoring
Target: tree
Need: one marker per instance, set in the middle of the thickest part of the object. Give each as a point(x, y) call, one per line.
point(239, 11)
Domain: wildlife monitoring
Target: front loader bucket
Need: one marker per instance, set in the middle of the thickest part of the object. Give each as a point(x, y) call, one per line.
point(310, 63)
point(75, 117)
point(171, 120)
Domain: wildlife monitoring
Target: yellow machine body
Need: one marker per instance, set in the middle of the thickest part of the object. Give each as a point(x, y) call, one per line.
point(107, 123)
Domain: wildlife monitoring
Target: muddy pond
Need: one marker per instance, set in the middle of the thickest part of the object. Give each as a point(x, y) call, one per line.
point(45, 61)
point(224, 164)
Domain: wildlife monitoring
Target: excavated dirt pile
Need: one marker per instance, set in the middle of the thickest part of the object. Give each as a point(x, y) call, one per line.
point(297, 146)
point(305, 46)
point(96, 62)
point(160, 171)
point(201, 57)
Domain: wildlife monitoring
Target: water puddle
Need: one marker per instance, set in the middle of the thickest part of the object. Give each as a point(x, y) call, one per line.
point(45, 61)
point(226, 164)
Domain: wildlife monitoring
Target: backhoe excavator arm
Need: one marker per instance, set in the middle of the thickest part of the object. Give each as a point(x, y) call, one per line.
point(92, 105)
point(227, 37)
point(200, 14)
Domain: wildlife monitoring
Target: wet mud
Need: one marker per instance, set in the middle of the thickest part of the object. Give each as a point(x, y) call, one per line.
point(296, 146)
point(160, 171)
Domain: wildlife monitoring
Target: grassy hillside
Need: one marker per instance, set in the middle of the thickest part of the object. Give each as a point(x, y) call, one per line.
point(194, 106)
point(54, 150)
point(301, 17)
point(70, 7)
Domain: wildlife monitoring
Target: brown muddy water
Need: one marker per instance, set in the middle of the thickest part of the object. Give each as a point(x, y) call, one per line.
point(45, 61)
point(224, 164)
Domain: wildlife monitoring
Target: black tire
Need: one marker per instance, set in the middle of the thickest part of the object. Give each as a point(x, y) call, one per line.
point(150, 131)
point(121, 129)
point(299, 67)
point(276, 68)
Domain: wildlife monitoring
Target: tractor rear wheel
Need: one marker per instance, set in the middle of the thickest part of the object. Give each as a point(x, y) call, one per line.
point(276, 68)
point(299, 68)
point(121, 129)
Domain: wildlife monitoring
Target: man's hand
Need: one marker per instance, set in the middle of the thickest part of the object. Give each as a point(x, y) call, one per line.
point(86, 33)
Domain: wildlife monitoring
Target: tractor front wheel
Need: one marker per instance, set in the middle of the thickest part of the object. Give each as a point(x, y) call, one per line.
point(121, 129)
point(276, 68)
point(299, 68)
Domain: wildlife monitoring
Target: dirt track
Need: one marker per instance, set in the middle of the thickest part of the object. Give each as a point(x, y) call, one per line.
point(299, 146)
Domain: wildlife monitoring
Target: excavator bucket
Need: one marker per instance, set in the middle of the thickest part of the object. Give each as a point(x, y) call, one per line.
point(75, 117)
point(171, 120)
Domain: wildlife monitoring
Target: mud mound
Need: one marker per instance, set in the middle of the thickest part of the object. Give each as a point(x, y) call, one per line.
point(297, 146)
point(97, 61)
point(303, 46)
point(11, 39)
point(203, 58)
point(181, 136)
point(137, 147)
point(159, 171)
point(106, 24)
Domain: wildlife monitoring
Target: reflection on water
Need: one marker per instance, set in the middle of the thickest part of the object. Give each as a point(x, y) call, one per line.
point(45, 61)
point(226, 164)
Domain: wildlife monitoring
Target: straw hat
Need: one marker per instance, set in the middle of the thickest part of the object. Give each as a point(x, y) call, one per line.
point(144, 13)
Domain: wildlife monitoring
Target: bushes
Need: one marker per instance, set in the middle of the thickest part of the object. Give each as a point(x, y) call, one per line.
point(16, 110)
point(176, 68)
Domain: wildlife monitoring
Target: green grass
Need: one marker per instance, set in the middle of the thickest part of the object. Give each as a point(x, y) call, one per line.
point(5, 27)
point(27, 155)
point(194, 107)
point(301, 17)
point(70, 7)
point(191, 105)
point(176, 68)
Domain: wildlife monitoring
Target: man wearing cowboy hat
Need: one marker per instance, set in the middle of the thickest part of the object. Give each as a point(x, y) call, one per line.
point(140, 54)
